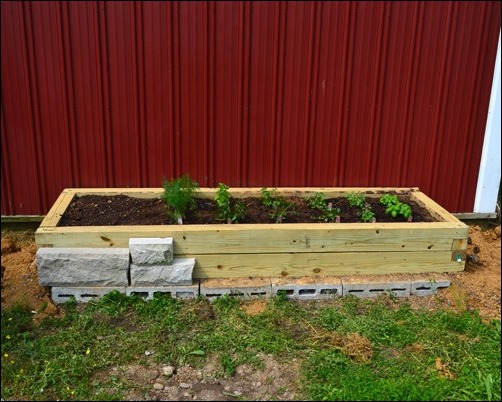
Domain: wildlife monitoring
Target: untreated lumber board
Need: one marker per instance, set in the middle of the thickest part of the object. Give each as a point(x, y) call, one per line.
point(265, 238)
point(58, 208)
point(305, 264)
point(436, 210)
point(243, 192)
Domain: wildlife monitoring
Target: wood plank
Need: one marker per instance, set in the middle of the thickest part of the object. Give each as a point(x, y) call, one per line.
point(152, 192)
point(434, 208)
point(306, 264)
point(266, 238)
point(474, 215)
point(22, 218)
point(242, 192)
point(459, 244)
point(54, 215)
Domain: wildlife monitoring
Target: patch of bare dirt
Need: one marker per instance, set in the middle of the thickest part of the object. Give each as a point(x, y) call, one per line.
point(478, 287)
point(159, 382)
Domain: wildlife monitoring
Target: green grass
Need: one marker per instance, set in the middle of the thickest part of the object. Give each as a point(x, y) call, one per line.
point(402, 354)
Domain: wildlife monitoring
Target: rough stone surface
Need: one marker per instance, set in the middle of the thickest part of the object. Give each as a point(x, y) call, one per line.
point(82, 267)
point(177, 273)
point(151, 250)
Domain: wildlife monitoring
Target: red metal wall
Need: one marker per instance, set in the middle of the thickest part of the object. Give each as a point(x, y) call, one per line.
point(106, 94)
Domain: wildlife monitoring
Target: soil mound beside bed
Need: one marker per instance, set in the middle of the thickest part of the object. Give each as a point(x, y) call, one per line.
point(102, 210)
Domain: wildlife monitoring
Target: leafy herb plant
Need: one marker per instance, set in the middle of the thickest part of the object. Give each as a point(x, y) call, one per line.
point(327, 212)
point(179, 196)
point(281, 207)
point(228, 210)
point(367, 215)
point(355, 200)
point(394, 207)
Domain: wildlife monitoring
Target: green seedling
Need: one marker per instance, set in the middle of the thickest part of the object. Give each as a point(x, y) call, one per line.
point(395, 207)
point(327, 212)
point(179, 196)
point(226, 211)
point(280, 206)
point(367, 214)
point(388, 200)
point(355, 200)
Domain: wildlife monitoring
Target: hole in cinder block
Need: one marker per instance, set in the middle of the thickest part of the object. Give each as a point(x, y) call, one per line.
point(306, 292)
point(159, 293)
point(258, 293)
point(88, 295)
point(398, 289)
point(423, 288)
point(65, 296)
point(144, 295)
point(234, 293)
point(185, 294)
point(356, 290)
point(328, 291)
point(287, 292)
point(376, 290)
point(211, 294)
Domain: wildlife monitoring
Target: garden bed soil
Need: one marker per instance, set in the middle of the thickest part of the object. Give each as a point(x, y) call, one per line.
point(114, 210)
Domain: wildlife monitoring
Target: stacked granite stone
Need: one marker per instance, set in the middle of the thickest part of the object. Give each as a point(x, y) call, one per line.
point(152, 263)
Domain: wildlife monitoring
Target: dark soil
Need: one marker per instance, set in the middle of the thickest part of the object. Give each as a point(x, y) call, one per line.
point(99, 210)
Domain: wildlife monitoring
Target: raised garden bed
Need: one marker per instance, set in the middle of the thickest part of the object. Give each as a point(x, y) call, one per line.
point(437, 243)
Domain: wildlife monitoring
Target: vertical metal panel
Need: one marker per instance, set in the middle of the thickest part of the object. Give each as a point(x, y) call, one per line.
point(99, 94)
point(21, 182)
point(264, 62)
point(158, 124)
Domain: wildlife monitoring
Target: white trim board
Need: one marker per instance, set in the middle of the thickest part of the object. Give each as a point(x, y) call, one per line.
point(489, 171)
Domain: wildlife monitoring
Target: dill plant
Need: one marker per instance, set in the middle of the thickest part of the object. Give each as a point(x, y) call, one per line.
point(179, 196)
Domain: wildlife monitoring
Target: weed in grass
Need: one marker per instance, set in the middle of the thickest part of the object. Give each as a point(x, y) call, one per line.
point(229, 364)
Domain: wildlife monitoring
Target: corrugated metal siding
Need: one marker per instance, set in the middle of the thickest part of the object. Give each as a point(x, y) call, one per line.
point(102, 94)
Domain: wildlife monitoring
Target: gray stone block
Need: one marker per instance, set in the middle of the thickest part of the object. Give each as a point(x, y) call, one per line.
point(81, 295)
point(178, 292)
point(177, 273)
point(308, 288)
point(82, 267)
point(428, 287)
point(151, 250)
point(372, 289)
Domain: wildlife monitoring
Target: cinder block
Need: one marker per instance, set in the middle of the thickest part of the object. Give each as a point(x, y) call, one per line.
point(178, 273)
point(151, 250)
point(177, 292)
point(428, 287)
point(82, 267)
point(372, 289)
point(81, 294)
point(308, 288)
point(246, 288)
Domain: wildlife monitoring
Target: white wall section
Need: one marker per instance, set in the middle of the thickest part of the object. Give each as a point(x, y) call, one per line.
point(489, 171)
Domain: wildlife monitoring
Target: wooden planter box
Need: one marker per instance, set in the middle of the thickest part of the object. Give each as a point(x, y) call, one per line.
point(286, 249)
